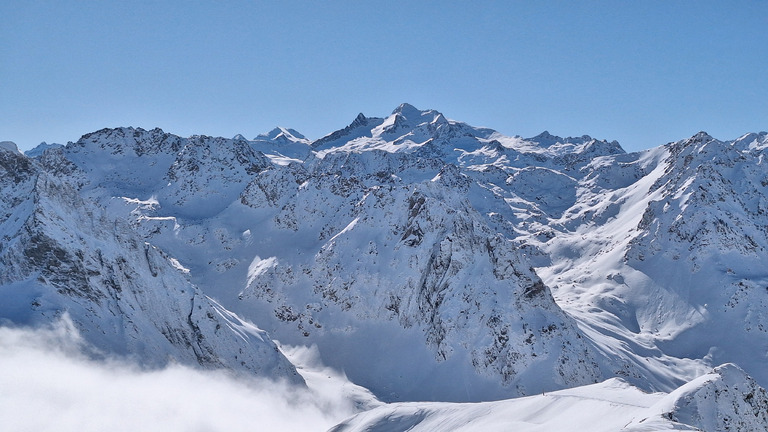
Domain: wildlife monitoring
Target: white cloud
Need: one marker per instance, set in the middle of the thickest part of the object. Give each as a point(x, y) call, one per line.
point(46, 384)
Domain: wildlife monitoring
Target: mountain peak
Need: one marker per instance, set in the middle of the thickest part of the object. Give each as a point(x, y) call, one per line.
point(545, 139)
point(698, 139)
point(360, 120)
point(43, 146)
point(413, 114)
point(406, 117)
point(405, 109)
point(9, 146)
point(117, 133)
point(282, 134)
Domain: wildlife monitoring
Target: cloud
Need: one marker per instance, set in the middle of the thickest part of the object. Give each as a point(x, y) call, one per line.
point(48, 384)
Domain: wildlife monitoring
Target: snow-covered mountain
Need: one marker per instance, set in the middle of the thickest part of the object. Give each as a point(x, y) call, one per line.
point(282, 145)
point(426, 258)
point(62, 255)
point(43, 146)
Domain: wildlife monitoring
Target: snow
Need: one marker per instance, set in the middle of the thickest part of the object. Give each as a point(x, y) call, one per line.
point(282, 146)
point(609, 406)
point(426, 258)
point(126, 296)
point(260, 266)
point(40, 148)
point(9, 146)
point(705, 403)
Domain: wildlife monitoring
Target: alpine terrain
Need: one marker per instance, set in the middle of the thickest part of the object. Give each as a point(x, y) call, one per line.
point(561, 283)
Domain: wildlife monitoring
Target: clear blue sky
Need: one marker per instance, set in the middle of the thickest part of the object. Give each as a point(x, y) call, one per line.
point(643, 73)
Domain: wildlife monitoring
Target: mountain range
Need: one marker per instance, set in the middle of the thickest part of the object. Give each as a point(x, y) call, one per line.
point(434, 262)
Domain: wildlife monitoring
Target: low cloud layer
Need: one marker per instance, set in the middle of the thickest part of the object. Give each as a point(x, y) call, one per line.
point(47, 384)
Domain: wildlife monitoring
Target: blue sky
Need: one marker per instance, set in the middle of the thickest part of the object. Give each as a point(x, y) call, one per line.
point(643, 73)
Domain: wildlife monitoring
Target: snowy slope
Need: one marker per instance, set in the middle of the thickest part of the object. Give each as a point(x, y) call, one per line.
point(43, 146)
point(669, 246)
point(429, 134)
point(410, 256)
point(192, 178)
point(725, 399)
point(60, 255)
